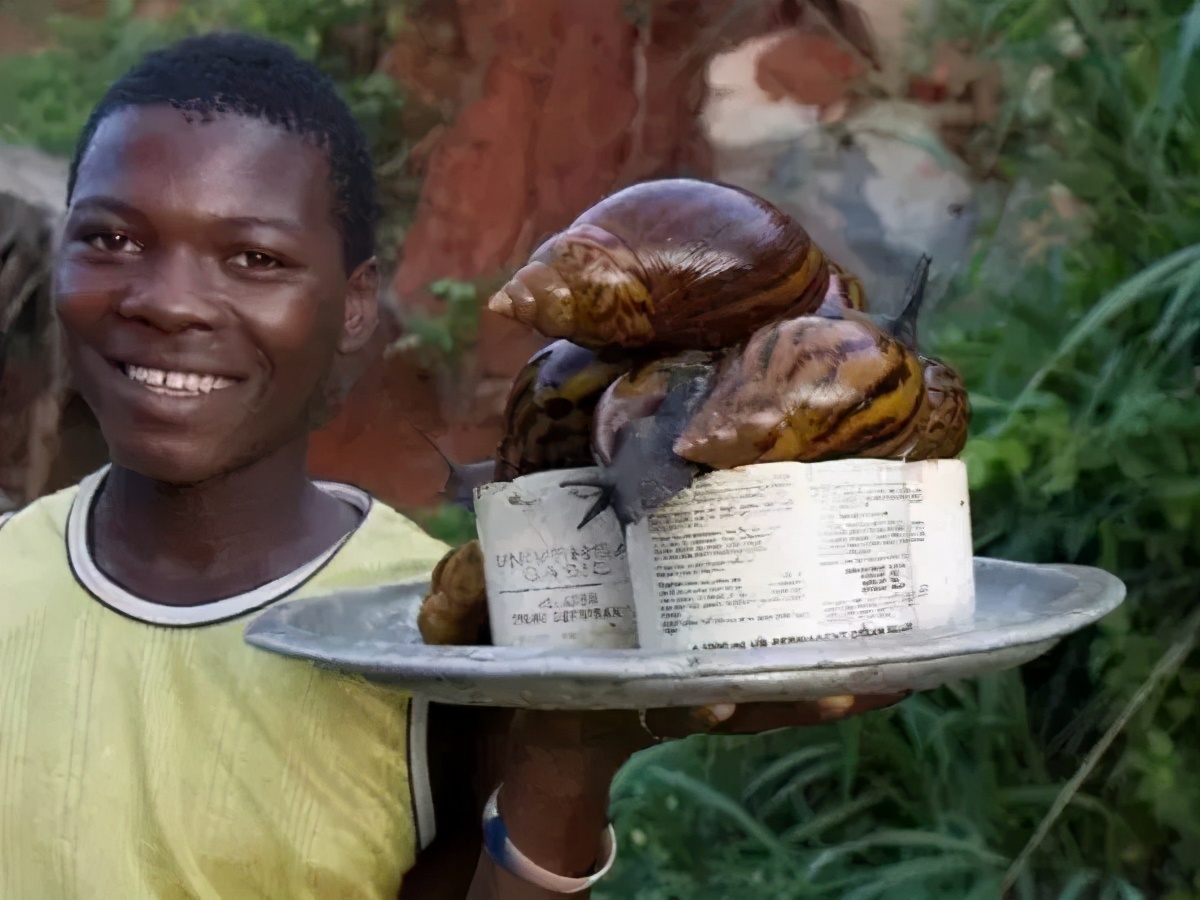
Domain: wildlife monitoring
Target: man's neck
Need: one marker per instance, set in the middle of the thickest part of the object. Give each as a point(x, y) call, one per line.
point(198, 543)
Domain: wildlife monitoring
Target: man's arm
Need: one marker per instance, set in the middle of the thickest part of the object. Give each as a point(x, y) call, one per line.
point(465, 749)
point(554, 801)
point(556, 772)
point(556, 769)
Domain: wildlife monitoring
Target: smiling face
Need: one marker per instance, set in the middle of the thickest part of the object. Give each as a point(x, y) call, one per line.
point(202, 289)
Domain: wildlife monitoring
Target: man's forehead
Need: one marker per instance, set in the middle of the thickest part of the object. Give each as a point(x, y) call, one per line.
point(226, 165)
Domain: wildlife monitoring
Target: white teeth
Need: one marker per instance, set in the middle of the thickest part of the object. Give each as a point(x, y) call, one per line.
point(177, 382)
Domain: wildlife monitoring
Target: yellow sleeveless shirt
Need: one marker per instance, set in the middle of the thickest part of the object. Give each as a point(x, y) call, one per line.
point(149, 752)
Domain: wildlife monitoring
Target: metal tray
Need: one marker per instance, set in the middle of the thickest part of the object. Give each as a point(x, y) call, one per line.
point(1021, 611)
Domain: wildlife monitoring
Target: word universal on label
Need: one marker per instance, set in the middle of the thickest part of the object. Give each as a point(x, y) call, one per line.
point(549, 582)
point(787, 553)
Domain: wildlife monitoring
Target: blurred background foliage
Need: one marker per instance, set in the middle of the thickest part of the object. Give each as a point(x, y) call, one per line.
point(1082, 353)
point(45, 96)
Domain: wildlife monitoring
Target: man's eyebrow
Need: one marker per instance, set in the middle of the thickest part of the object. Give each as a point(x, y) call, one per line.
point(112, 204)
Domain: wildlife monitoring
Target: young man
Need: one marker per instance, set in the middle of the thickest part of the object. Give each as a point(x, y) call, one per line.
point(215, 270)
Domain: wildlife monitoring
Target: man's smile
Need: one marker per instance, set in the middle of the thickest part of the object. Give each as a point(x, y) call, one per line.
point(174, 386)
point(171, 383)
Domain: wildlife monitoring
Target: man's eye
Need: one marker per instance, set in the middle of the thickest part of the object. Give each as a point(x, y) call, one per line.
point(253, 259)
point(110, 242)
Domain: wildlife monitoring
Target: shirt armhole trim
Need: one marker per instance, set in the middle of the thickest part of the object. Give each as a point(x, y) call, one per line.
point(420, 787)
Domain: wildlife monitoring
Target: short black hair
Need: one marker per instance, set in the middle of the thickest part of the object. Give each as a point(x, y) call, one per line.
point(242, 74)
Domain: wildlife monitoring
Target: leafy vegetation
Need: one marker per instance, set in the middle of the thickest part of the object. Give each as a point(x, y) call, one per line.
point(448, 522)
point(45, 97)
point(440, 338)
point(1077, 336)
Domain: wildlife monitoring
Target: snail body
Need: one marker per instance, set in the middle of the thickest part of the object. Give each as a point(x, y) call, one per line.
point(669, 264)
point(845, 291)
point(637, 422)
point(548, 415)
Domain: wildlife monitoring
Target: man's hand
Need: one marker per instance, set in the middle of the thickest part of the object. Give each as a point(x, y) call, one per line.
point(756, 718)
point(559, 766)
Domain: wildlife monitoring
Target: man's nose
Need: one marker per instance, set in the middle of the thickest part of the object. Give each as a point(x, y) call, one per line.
point(176, 295)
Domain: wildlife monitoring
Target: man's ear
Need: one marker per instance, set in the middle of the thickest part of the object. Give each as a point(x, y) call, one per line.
point(362, 307)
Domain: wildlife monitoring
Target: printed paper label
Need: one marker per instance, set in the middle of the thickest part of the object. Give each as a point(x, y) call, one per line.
point(782, 553)
point(549, 582)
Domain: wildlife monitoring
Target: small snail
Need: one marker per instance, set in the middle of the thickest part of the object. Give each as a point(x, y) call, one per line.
point(548, 416)
point(670, 264)
point(845, 292)
point(455, 609)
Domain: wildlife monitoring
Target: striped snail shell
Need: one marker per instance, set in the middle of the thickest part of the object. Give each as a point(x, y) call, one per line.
point(548, 415)
point(809, 389)
point(845, 292)
point(835, 385)
point(670, 264)
point(948, 419)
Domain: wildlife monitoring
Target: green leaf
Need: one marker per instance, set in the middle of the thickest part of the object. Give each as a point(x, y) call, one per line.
point(722, 803)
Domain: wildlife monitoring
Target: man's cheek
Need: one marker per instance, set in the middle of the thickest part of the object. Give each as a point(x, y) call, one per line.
point(81, 296)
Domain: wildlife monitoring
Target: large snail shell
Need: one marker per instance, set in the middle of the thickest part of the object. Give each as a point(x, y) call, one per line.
point(809, 389)
point(548, 417)
point(675, 263)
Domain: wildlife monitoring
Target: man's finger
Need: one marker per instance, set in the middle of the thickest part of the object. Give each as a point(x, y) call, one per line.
point(755, 718)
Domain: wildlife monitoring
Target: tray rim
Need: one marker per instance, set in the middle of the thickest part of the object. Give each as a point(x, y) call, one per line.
point(271, 629)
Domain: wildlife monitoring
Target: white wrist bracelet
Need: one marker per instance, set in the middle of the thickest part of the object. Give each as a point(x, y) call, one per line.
point(505, 854)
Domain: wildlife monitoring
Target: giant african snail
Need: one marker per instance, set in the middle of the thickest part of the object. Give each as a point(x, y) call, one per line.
point(789, 365)
point(670, 264)
point(832, 386)
point(811, 388)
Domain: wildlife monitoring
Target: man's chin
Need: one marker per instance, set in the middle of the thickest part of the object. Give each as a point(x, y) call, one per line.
point(174, 466)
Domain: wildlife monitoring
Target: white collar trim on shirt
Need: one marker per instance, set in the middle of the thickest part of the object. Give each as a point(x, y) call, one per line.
point(119, 599)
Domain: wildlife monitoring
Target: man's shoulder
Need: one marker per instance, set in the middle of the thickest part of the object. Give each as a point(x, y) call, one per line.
point(392, 533)
point(46, 516)
point(33, 545)
point(386, 518)
point(387, 548)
